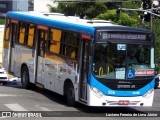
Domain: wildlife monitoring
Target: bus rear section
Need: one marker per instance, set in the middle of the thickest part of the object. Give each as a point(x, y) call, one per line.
point(123, 69)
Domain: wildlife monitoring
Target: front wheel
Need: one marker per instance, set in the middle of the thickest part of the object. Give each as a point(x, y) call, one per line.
point(156, 83)
point(70, 95)
point(25, 78)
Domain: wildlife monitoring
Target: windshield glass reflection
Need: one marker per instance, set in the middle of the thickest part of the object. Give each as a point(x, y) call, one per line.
point(123, 61)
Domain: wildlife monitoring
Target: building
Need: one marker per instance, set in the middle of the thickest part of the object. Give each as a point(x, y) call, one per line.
point(42, 5)
point(30, 5)
point(12, 5)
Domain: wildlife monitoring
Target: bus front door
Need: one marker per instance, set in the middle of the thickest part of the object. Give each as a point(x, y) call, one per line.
point(84, 70)
point(42, 38)
point(12, 45)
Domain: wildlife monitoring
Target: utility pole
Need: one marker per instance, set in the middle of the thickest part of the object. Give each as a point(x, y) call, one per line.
point(154, 6)
point(151, 19)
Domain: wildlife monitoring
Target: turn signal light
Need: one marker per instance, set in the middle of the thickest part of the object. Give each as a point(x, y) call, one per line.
point(86, 36)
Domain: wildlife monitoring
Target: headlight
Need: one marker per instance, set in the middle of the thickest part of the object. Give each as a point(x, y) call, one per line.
point(97, 92)
point(148, 93)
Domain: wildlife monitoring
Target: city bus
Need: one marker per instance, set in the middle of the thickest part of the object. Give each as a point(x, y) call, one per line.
point(93, 62)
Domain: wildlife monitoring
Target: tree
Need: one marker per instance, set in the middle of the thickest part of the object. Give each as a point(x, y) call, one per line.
point(52, 8)
point(81, 9)
point(134, 5)
point(156, 31)
point(123, 19)
point(112, 5)
point(2, 21)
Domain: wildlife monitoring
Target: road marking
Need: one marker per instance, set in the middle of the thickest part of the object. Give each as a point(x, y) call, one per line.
point(15, 107)
point(6, 95)
point(42, 108)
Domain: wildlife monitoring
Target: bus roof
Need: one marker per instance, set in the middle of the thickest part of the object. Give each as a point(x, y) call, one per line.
point(70, 23)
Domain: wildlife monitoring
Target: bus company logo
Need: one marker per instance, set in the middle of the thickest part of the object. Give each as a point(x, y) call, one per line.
point(62, 69)
point(69, 71)
point(6, 114)
point(21, 114)
point(52, 66)
point(111, 92)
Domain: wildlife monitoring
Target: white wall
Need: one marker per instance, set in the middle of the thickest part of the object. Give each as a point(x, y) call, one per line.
point(20, 5)
point(41, 5)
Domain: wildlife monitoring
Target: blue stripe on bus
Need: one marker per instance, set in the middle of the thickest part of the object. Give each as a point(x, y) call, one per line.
point(107, 91)
point(52, 23)
point(88, 29)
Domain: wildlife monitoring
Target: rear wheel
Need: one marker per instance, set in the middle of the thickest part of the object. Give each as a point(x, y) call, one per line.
point(25, 78)
point(70, 95)
point(156, 83)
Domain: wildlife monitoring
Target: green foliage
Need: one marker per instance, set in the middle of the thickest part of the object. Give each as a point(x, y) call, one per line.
point(82, 9)
point(112, 5)
point(96, 9)
point(156, 30)
point(51, 8)
point(123, 19)
point(2, 21)
point(109, 15)
point(67, 8)
point(126, 20)
point(132, 5)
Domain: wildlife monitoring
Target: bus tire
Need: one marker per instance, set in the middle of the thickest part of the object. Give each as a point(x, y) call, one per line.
point(70, 95)
point(25, 78)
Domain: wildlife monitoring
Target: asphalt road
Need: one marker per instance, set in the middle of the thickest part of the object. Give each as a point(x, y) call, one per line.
point(20, 103)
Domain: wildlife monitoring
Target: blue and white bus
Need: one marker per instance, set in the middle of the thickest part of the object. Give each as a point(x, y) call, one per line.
point(93, 62)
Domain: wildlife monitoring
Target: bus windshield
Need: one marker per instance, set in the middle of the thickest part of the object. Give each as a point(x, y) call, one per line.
point(123, 61)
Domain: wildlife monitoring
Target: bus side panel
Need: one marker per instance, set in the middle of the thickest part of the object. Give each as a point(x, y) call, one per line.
point(57, 70)
point(18, 55)
point(6, 45)
point(17, 60)
point(66, 69)
point(24, 55)
point(6, 55)
point(50, 72)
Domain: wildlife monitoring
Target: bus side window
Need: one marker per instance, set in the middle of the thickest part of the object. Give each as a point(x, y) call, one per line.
point(55, 38)
point(70, 45)
point(43, 37)
point(7, 34)
point(31, 37)
point(22, 30)
point(7, 30)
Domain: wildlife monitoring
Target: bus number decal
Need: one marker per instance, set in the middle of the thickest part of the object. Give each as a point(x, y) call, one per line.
point(136, 93)
point(111, 92)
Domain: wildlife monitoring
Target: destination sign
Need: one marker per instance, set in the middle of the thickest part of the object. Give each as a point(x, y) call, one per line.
point(144, 72)
point(121, 36)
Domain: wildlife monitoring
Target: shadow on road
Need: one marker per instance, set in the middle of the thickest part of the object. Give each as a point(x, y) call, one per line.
point(82, 109)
